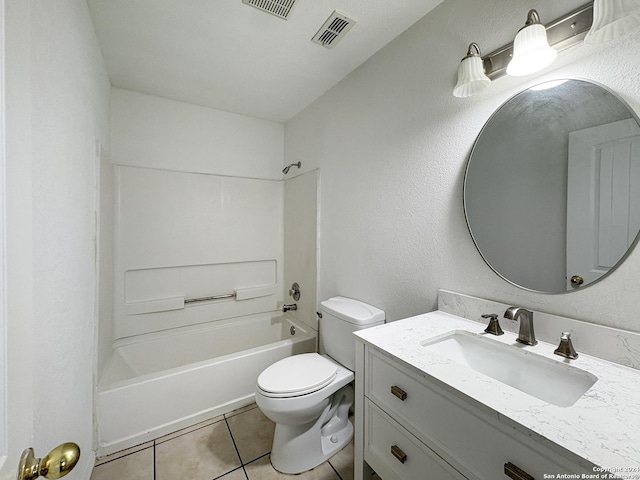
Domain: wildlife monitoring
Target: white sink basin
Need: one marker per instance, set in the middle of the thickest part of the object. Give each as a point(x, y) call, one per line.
point(548, 380)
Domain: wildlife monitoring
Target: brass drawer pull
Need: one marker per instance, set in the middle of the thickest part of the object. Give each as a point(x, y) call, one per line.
point(398, 392)
point(511, 471)
point(398, 453)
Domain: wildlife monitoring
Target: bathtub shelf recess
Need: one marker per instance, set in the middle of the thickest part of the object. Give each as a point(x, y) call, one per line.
point(178, 303)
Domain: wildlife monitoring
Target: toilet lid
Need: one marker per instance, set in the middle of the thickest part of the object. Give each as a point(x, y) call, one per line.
point(297, 375)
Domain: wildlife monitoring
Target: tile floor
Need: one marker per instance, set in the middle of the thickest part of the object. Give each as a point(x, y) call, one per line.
point(234, 446)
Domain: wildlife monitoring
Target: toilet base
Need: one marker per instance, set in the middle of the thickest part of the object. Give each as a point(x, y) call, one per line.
point(299, 448)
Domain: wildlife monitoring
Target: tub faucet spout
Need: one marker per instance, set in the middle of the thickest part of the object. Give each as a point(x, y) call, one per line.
point(526, 334)
point(286, 308)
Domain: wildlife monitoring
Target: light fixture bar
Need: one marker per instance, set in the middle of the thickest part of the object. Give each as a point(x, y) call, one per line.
point(562, 33)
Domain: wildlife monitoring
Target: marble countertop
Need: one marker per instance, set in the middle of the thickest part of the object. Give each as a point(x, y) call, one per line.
point(602, 427)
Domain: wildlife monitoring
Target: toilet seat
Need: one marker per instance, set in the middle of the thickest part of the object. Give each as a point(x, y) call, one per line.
point(297, 375)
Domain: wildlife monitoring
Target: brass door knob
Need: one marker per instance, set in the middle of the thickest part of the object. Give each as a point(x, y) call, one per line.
point(577, 280)
point(56, 464)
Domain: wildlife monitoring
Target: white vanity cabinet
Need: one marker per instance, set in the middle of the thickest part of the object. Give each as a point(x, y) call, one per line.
point(410, 426)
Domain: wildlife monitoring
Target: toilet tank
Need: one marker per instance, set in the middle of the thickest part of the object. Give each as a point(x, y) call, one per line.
point(341, 317)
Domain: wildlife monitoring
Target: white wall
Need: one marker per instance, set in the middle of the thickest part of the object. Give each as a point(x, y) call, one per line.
point(154, 132)
point(199, 210)
point(57, 106)
point(392, 143)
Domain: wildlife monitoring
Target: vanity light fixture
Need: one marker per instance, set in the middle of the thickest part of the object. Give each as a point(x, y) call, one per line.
point(531, 49)
point(613, 19)
point(595, 22)
point(561, 33)
point(471, 77)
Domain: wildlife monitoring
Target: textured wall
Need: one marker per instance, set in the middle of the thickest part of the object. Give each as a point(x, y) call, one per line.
point(392, 143)
point(57, 106)
point(70, 104)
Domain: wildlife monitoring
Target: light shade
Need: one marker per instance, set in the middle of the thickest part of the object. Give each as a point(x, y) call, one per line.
point(613, 19)
point(531, 49)
point(471, 77)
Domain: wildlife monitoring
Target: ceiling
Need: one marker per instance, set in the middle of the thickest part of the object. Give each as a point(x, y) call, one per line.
point(230, 56)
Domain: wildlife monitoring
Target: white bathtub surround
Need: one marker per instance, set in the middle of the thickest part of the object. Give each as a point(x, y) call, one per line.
point(619, 346)
point(105, 249)
point(185, 235)
point(199, 213)
point(157, 383)
point(301, 243)
point(602, 428)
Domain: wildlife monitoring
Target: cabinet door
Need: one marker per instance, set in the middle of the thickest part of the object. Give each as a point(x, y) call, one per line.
point(396, 454)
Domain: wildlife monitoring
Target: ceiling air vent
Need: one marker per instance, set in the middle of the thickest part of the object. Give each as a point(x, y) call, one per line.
point(279, 8)
point(336, 27)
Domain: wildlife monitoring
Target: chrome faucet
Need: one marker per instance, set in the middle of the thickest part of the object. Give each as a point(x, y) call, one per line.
point(526, 334)
point(286, 308)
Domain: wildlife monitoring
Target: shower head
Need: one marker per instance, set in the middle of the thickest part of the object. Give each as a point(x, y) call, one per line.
point(285, 170)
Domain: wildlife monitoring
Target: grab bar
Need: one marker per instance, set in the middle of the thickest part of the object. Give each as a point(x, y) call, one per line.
point(178, 303)
point(206, 299)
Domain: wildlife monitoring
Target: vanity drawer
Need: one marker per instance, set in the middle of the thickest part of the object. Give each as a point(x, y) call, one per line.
point(395, 454)
point(474, 442)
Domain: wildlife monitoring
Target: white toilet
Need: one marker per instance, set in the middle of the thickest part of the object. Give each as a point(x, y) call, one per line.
point(308, 396)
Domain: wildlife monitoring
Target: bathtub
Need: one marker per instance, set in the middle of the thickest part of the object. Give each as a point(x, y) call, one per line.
point(158, 383)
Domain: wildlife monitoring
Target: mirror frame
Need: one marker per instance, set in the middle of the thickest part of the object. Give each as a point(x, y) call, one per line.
point(631, 247)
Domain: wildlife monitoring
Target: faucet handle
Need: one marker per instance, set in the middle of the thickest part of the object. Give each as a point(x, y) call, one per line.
point(494, 325)
point(565, 349)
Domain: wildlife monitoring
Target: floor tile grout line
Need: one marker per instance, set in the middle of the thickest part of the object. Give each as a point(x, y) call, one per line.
point(232, 414)
point(224, 416)
point(234, 444)
point(258, 458)
point(154, 460)
point(334, 469)
point(231, 471)
point(157, 442)
point(123, 456)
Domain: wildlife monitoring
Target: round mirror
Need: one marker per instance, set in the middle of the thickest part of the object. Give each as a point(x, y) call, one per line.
point(552, 187)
